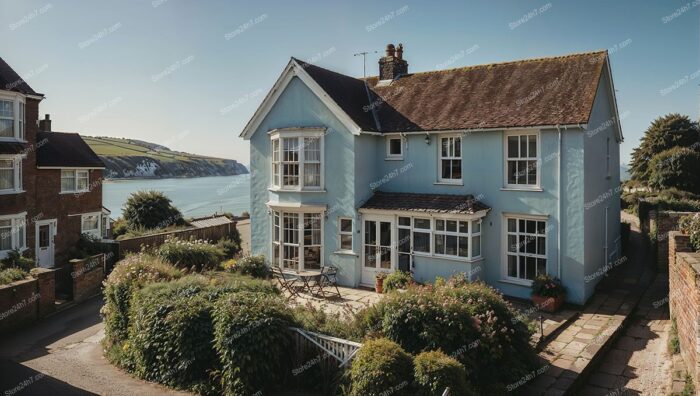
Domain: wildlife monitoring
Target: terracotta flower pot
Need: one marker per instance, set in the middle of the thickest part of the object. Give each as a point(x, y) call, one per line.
point(548, 304)
point(379, 285)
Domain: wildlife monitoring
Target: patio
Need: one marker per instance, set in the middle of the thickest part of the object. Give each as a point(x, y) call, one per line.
point(350, 300)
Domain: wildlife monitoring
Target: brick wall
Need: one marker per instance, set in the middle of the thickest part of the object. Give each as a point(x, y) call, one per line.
point(664, 222)
point(684, 298)
point(87, 277)
point(23, 302)
point(213, 233)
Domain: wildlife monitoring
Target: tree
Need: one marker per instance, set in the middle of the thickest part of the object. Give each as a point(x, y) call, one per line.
point(151, 209)
point(664, 133)
point(677, 168)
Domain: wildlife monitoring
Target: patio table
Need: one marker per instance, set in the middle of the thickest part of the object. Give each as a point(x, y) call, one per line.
point(306, 276)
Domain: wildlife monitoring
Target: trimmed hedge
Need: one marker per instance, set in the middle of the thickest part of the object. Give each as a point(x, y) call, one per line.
point(435, 371)
point(253, 342)
point(129, 275)
point(196, 255)
point(381, 367)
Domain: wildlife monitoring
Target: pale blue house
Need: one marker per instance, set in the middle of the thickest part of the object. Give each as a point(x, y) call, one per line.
point(500, 171)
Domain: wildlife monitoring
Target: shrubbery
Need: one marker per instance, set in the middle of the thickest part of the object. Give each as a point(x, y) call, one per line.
point(9, 275)
point(397, 280)
point(249, 265)
point(15, 259)
point(675, 168)
point(435, 371)
point(229, 247)
point(129, 275)
point(194, 255)
point(150, 209)
point(253, 342)
point(381, 367)
point(690, 225)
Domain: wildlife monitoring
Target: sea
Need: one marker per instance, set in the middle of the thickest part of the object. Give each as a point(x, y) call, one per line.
point(198, 196)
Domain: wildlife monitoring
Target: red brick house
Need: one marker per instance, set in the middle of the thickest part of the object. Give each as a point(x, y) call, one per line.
point(50, 182)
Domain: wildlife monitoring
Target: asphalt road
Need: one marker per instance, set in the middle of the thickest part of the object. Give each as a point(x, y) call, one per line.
point(62, 355)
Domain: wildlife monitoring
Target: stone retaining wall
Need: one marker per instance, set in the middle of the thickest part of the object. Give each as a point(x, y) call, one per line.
point(684, 298)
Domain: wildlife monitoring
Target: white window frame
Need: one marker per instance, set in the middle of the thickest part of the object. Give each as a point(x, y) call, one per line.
point(96, 232)
point(389, 155)
point(537, 158)
point(77, 174)
point(277, 179)
point(451, 157)
point(18, 230)
point(300, 245)
point(18, 116)
point(505, 244)
point(17, 174)
point(342, 233)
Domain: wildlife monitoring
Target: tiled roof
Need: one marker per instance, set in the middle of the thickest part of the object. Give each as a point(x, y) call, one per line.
point(11, 81)
point(535, 92)
point(426, 203)
point(59, 149)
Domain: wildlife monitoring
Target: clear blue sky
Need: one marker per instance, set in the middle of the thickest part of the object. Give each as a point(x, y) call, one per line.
point(164, 70)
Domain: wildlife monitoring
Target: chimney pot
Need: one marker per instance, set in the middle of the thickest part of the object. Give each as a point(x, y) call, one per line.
point(390, 50)
point(399, 51)
point(392, 66)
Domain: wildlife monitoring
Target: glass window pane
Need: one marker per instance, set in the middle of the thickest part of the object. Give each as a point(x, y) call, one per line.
point(421, 223)
point(463, 246)
point(522, 242)
point(464, 227)
point(456, 169)
point(541, 246)
point(439, 244)
point(446, 169)
point(521, 267)
point(370, 232)
point(523, 146)
point(532, 143)
point(385, 233)
point(541, 266)
point(276, 254)
point(512, 172)
point(312, 257)
point(512, 243)
point(521, 225)
point(405, 221)
point(512, 147)
point(312, 175)
point(445, 147)
point(385, 258)
point(531, 225)
point(457, 147)
point(451, 226)
point(513, 266)
point(370, 256)
point(440, 225)
point(394, 146)
point(346, 242)
point(531, 244)
point(7, 128)
point(312, 149)
point(7, 108)
point(476, 226)
point(531, 267)
point(532, 172)
point(511, 225)
point(421, 242)
point(451, 245)
point(345, 225)
point(540, 227)
point(476, 246)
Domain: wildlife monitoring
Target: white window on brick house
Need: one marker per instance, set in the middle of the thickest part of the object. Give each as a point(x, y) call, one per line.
point(12, 233)
point(10, 174)
point(90, 223)
point(12, 116)
point(75, 180)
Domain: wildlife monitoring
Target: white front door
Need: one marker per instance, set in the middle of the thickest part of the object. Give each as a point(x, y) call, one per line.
point(44, 237)
point(378, 247)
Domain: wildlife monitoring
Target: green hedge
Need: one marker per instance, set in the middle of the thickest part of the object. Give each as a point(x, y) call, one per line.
point(254, 266)
point(397, 280)
point(129, 275)
point(435, 371)
point(381, 367)
point(196, 255)
point(252, 339)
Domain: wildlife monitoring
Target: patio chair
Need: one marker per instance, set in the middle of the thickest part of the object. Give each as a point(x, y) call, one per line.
point(287, 282)
point(328, 278)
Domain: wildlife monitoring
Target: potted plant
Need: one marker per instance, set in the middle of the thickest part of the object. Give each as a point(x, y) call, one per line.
point(547, 293)
point(379, 281)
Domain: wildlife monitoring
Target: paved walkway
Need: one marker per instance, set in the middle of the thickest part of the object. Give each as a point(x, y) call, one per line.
point(566, 358)
point(62, 355)
point(350, 300)
point(639, 362)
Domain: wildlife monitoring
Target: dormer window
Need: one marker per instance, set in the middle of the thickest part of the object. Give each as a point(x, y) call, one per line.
point(394, 148)
point(12, 117)
point(297, 160)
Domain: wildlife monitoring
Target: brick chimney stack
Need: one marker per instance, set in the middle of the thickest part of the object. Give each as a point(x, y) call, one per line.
point(392, 66)
point(45, 124)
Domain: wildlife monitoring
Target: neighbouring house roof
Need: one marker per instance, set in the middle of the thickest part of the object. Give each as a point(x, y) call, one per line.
point(13, 147)
point(527, 93)
point(210, 221)
point(65, 150)
point(11, 81)
point(426, 203)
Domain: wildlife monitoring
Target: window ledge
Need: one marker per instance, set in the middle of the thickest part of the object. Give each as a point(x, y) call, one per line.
point(346, 253)
point(446, 183)
point(12, 139)
point(11, 192)
point(524, 283)
point(534, 189)
point(73, 192)
point(276, 189)
point(393, 159)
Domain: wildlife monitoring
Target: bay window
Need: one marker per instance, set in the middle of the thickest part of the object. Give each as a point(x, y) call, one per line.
point(296, 240)
point(450, 159)
point(526, 248)
point(451, 238)
point(74, 180)
point(10, 173)
point(12, 233)
point(297, 160)
point(12, 116)
point(522, 160)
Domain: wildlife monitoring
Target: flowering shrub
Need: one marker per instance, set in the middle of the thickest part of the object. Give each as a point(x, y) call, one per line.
point(9, 275)
point(229, 247)
point(397, 280)
point(248, 265)
point(546, 286)
point(690, 225)
point(435, 371)
point(129, 275)
point(381, 367)
point(197, 255)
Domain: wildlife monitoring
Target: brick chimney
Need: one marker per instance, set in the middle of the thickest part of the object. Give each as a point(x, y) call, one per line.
point(392, 66)
point(45, 124)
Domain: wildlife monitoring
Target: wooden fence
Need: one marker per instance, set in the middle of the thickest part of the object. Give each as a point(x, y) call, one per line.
point(213, 233)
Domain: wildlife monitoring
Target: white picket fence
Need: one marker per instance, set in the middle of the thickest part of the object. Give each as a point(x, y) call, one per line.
point(341, 350)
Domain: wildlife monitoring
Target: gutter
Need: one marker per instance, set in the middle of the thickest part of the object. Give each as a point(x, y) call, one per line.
point(559, 205)
point(558, 126)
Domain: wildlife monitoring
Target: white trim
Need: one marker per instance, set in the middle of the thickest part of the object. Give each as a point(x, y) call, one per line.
point(53, 229)
point(71, 167)
point(300, 245)
point(19, 118)
point(296, 207)
point(342, 233)
point(504, 277)
point(468, 130)
point(17, 220)
point(389, 155)
point(407, 213)
point(294, 69)
point(537, 159)
point(75, 189)
point(279, 136)
point(440, 180)
point(17, 173)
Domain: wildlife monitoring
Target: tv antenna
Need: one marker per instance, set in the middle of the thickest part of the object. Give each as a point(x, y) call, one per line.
point(364, 61)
